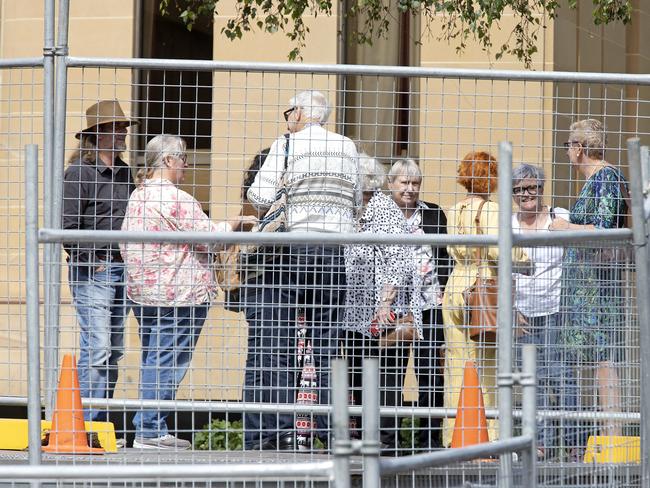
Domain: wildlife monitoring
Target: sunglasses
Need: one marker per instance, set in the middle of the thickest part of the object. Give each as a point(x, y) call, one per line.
point(287, 112)
point(531, 190)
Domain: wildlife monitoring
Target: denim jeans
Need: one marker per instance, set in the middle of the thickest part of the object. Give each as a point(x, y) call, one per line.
point(99, 297)
point(252, 294)
point(311, 278)
point(557, 387)
point(168, 336)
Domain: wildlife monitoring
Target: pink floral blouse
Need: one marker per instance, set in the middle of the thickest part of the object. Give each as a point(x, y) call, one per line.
point(168, 275)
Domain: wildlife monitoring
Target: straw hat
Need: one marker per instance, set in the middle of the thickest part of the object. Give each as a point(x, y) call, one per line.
point(106, 111)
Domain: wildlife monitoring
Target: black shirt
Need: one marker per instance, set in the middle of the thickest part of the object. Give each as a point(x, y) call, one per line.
point(95, 198)
point(434, 221)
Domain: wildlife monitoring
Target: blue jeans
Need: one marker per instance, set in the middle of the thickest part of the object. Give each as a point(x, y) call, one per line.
point(557, 387)
point(311, 278)
point(168, 336)
point(99, 298)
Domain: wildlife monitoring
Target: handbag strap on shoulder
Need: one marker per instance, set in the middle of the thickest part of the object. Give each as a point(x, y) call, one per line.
point(479, 231)
point(283, 181)
point(286, 151)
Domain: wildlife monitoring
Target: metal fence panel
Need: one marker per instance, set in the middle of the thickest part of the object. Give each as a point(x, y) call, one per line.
point(21, 101)
point(228, 113)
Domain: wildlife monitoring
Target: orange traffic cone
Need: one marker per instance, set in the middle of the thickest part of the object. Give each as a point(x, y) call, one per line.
point(68, 433)
point(471, 424)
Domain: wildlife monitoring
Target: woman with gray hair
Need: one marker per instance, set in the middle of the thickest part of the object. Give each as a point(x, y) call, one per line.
point(170, 284)
point(373, 177)
point(404, 182)
point(537, 300)
point(381, 296)
point(592, 308)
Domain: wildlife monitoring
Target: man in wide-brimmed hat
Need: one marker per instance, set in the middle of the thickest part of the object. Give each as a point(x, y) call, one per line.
point(96, 189)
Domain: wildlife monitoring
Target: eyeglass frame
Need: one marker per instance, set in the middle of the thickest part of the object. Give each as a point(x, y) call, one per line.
point(288, 112)
point(521, 190)
point(569, 144)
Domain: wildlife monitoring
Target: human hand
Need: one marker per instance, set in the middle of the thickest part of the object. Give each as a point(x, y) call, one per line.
point(441, 358)
point(245, 222)
point(248, 221)
point(559, 224)
point(521, 328)
point(384, 314)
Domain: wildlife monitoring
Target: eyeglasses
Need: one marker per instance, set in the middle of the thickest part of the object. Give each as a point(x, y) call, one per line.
point(568, 144)
point(531, 190)
point(287, 112)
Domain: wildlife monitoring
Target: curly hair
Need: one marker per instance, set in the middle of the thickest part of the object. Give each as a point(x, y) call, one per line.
point(477, 172)
point(372, 173)
point(590, 134)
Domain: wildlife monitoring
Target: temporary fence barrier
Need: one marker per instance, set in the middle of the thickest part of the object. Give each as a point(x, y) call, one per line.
point(226, 112)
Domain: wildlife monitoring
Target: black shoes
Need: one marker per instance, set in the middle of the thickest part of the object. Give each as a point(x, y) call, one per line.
point(285, 442)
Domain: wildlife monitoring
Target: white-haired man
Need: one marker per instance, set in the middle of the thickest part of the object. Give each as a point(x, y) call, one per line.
point(319, 169)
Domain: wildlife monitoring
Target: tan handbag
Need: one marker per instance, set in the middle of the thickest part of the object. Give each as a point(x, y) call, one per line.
point(481, 299)
point(228, 268)
point(481, 304)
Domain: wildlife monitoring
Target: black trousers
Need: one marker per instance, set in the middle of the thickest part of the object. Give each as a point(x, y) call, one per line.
point(311, 278)
point(429, 372)
point(392, 367)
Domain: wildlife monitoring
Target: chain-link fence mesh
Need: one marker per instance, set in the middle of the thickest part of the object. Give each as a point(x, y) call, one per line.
point(194, 363)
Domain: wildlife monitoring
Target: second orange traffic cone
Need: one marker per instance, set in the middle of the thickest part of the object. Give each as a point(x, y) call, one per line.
point(471, 424)
point(68, 433)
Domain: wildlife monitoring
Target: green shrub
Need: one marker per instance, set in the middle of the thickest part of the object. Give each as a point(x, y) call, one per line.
point(220, 435)
point(407, 434)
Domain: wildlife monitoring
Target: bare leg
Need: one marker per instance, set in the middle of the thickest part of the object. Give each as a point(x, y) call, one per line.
point(609, 396)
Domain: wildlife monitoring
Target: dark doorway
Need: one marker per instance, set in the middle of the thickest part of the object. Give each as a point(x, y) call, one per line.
point(172, 101)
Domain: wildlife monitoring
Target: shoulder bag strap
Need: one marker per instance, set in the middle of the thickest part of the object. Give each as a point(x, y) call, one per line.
point(286, 162)
point(286, 151)
point(479, 231)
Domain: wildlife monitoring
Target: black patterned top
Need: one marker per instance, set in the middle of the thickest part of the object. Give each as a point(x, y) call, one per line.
point(369, 268)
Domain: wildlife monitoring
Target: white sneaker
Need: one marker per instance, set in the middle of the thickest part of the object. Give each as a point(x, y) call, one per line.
point(166, 441)
point(120, 443)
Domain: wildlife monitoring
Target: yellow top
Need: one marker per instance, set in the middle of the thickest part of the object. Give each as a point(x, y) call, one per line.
point(460, 221)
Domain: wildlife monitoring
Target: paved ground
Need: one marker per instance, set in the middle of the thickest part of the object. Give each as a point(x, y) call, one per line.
point(138, 456)
point(474, 474)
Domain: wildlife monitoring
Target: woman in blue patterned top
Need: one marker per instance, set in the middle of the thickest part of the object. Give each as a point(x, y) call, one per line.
point(592, 304)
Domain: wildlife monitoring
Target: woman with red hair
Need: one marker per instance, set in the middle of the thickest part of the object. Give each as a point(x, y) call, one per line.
point(475, 214)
